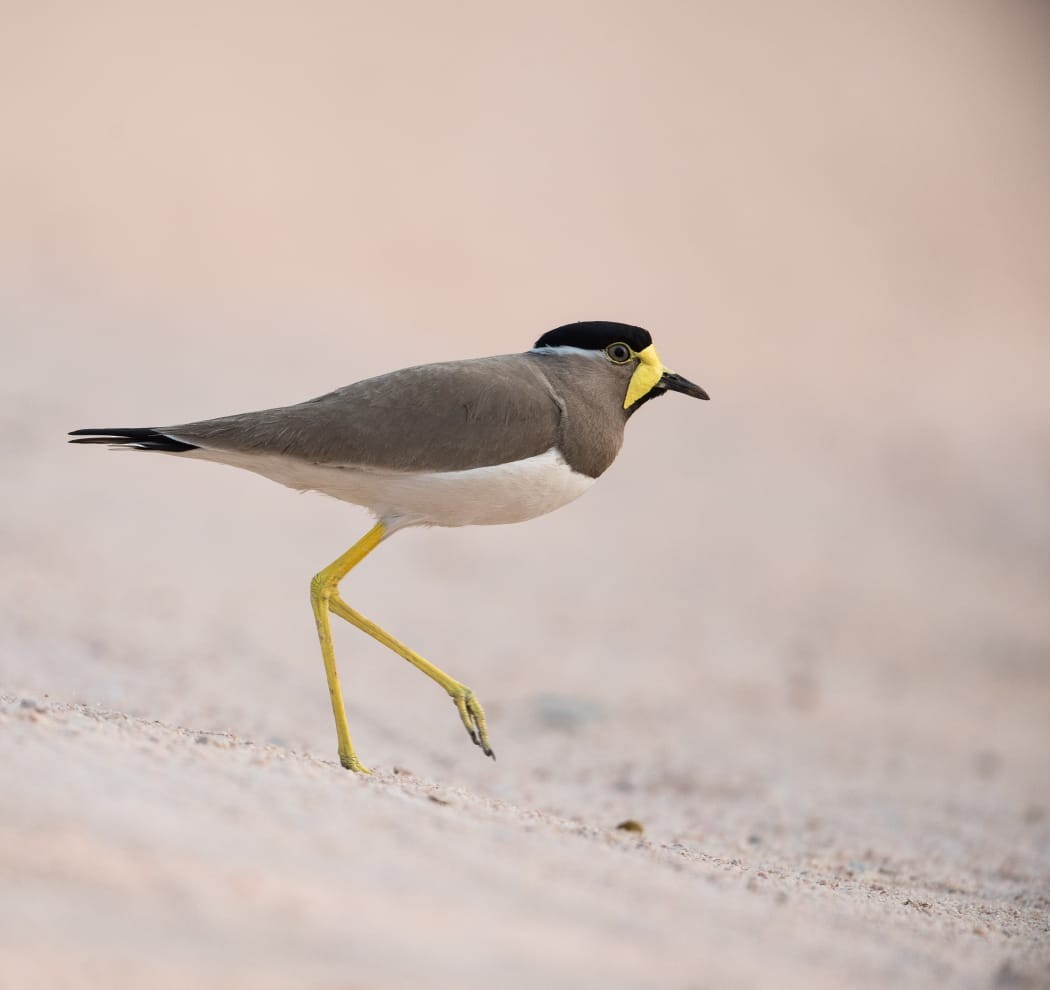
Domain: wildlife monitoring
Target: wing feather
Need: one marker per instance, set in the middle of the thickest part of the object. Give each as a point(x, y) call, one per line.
point(439, 417)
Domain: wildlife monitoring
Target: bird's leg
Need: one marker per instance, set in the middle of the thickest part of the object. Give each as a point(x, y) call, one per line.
point(324, 596)
point(323, 588)
point(469, 708)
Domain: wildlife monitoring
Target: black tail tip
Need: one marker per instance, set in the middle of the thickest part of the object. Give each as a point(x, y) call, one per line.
point(139, 438)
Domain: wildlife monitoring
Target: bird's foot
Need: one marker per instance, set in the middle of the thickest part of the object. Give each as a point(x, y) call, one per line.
point(350, 761)
point(473, 717)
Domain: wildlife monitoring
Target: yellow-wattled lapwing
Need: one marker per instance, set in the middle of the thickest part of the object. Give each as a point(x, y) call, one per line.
point(490, 440)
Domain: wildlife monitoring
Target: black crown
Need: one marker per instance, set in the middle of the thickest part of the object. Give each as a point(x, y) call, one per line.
point(596, 335)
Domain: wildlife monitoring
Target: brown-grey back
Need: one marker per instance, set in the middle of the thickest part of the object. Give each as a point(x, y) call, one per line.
point(450, 416)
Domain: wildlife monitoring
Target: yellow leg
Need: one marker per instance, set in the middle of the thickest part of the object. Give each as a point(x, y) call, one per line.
point(323, 586)
point(324, 597)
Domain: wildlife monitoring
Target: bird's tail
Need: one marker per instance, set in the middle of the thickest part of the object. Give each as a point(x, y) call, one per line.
point(137, 438)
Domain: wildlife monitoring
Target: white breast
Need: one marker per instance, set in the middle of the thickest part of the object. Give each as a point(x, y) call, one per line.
point(503, 493)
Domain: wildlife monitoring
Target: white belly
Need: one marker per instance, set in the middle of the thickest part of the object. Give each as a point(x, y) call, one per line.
point(503, 493)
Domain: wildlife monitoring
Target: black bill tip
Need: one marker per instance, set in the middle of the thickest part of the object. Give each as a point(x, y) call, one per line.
point(676, 383)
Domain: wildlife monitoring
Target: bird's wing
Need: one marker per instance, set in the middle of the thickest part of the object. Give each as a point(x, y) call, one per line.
point(438, 417)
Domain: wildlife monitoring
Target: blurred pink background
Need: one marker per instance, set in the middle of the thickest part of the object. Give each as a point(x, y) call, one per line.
point(837, 220)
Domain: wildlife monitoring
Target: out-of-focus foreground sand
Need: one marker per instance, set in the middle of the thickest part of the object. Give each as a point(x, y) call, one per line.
point(801, 632)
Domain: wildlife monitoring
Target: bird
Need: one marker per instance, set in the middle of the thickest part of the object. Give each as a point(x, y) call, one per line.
point(480, 441)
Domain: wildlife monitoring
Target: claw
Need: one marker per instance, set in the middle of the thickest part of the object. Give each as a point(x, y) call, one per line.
point(351, 762)
point(472, 716)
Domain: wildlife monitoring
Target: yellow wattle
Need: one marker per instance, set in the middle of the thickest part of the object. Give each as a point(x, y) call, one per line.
point(649, 371)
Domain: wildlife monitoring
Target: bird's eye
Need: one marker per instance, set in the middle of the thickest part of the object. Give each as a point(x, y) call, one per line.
point(618, 353)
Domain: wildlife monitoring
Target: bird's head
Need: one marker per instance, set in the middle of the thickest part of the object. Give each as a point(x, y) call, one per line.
point(627, 349)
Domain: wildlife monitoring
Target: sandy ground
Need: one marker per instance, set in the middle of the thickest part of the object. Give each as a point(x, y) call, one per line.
point(197, 858)
point(799, 633)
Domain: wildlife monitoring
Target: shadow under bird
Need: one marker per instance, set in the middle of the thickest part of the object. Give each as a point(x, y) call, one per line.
point(476, 442)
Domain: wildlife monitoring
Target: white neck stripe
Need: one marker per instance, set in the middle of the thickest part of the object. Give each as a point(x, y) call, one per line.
point(565, 349)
